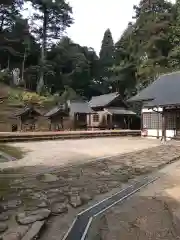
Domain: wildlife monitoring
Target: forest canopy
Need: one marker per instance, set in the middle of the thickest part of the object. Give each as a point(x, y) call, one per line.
point(50, 62)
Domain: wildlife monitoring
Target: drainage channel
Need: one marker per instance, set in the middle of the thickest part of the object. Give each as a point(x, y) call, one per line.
point(82, 222)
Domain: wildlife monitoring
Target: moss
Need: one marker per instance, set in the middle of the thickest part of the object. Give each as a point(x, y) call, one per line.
point(12, 151)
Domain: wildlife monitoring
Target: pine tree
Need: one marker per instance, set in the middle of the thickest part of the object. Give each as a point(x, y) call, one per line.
point(55, 16)
point(106, 60)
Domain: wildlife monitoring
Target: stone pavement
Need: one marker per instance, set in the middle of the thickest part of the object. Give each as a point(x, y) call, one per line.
point(153, 213)
point(28, 198)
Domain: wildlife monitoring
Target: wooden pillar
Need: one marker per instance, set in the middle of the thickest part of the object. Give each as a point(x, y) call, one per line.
point(163, 125)
point(158, 126)
point(89, 116)
point(128, 119)
point(20, 123)
point(50, 126)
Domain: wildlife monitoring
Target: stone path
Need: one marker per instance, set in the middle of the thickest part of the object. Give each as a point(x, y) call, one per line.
point(28, 196)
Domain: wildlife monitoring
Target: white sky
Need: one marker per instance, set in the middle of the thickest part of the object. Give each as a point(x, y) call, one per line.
point(93, 17)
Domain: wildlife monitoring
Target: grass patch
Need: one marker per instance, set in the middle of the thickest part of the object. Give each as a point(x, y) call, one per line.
point(12, 151)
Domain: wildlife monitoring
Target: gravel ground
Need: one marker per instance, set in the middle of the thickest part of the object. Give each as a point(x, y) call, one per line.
point(58, 153)
point(83, 172)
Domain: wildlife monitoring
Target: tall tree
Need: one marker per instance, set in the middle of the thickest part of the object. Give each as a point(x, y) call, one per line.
point(123, 77)
point(174, 37)
point(106, 60)
point(9, 11)
point(55, 16)
point(151, 38)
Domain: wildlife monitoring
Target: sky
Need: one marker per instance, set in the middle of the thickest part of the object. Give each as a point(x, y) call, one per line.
point(93, 17)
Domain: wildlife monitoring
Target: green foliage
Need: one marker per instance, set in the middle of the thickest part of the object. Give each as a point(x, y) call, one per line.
point(5, 77)
point(23, 97)
point(53, 17)
point(148, 47)
point(106, 60)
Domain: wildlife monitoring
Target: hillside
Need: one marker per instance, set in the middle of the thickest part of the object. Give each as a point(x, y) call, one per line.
point(13, 100)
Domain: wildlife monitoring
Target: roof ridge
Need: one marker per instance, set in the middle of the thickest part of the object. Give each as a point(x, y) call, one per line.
point(167, 74)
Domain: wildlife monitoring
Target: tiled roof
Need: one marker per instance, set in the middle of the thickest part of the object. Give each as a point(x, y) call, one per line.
point(103, 100)
point(164, 91)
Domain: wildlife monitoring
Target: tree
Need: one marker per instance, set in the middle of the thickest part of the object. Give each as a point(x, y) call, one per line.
point(151, 44)
point(174, 54)
point(55, 16)
point(106, 60)
point(74, 66)
point(9, 11)
point(123, 79)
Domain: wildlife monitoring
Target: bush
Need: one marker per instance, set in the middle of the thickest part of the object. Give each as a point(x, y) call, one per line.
point(5, 76)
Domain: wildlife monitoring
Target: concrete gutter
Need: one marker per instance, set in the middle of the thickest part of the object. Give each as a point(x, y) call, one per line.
point(80, 227)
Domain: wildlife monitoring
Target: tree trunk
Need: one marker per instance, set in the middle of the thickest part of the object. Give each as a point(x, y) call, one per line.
point(23, 66)
point(8, 63)
point(2, 22)
point(40, 84)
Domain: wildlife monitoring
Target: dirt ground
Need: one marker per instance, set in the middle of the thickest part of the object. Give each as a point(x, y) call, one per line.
point(60, 153)
point(154, 213)
point(71, 175)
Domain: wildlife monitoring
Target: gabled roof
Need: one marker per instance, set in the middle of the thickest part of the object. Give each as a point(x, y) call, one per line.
point(103, 100)
point(80, 107)
point(75, 106)
point(26, 110)
point(164, 91)
point(55, 110)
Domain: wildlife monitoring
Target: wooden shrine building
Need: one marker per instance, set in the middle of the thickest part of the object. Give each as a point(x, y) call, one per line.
point(71, 115)
point(161, 107)
point(111, 112)
point(27, 118)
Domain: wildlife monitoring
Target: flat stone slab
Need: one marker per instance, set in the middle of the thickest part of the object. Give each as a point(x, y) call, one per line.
point(12, 204)
point(48, 178)
point(15, 233)
point(59, 208)
point(3, 227)
point(31, 217)
point(34, 230)
point(4, 217)
point(75, 201)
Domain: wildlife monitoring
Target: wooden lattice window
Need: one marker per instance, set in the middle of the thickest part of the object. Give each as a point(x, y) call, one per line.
point(170, 120)
point(152, 120)
point(95, 118)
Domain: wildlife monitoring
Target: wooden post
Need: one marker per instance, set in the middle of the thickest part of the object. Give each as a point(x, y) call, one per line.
point(89, 120)
point(128, 119)
point(50, 124)
point(20, 123)
point(163, 125)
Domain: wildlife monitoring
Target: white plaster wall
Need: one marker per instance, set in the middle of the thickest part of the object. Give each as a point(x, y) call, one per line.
point(154, 133)
point(146, 110)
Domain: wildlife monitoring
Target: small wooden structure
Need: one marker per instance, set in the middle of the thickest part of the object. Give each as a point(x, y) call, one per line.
point(27, 119)
point(56, 116)
point(71, 115)
point(110, 112)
